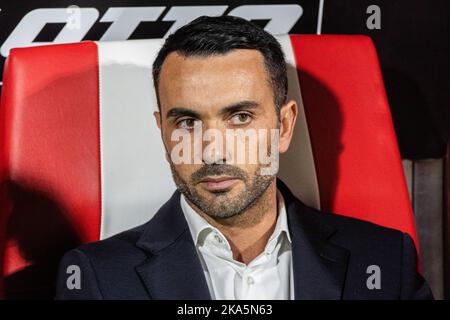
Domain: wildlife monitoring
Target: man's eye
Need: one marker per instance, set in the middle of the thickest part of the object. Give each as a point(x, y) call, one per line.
point(241, 118)
point(188, 123)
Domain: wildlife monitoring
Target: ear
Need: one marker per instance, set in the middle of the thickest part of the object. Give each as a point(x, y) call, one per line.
point(288, 118)
point(157, 116)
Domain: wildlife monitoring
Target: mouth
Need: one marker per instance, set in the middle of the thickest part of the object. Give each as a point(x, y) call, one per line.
point(218, 183)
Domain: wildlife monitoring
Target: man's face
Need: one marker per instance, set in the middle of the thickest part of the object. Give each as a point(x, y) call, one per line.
point(222, 93)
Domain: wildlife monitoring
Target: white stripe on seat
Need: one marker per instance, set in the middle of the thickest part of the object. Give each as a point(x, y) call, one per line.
point(136, 178)
point(297, 167)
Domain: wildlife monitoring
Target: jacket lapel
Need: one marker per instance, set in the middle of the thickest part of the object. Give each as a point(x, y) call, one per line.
point(319, 265)
point(172, 269)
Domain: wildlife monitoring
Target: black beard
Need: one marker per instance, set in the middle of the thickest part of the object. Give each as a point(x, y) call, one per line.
point(223, 206)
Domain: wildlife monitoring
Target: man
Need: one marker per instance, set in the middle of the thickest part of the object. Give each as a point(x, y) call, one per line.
point(232, 230)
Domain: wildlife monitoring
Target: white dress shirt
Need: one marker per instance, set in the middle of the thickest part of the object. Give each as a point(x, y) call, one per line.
point(268, 276)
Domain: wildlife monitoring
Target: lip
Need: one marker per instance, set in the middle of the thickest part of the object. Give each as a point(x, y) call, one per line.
point(217, 183)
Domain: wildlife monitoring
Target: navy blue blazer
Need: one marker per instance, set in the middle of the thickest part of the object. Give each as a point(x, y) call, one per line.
point(331, 255)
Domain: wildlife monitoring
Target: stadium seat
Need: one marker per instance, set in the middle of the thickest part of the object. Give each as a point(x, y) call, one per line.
point(81, 158)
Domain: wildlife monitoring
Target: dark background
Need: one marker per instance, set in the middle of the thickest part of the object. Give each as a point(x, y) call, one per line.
point(413, 46)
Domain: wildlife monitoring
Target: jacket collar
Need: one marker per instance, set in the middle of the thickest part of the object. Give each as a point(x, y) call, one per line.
point(173, 269)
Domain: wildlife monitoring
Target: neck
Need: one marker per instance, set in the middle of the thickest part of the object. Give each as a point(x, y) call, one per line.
point(248, 232)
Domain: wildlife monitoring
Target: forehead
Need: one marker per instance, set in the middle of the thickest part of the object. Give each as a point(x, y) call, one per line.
point(213, 81)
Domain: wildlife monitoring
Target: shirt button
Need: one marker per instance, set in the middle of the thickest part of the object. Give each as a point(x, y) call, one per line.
point(218, 239)
point(250, 281)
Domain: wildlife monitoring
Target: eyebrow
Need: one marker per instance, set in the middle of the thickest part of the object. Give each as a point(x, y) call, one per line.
point(185, 112)
point(242, 105)
point(181, 112)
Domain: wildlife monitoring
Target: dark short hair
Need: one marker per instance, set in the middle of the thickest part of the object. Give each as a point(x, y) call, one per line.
point(207, 36)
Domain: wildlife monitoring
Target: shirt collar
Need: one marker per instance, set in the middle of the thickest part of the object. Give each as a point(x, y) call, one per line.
point(200, 228)
point(282, 222)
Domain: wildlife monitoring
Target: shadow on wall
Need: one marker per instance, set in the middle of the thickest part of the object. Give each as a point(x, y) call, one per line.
point(328, 123)
point(41, 235)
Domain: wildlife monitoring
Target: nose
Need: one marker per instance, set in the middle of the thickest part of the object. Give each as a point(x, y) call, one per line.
point(213, 147)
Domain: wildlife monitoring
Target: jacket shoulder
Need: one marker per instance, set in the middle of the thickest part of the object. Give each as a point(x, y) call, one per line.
point(363, 237)
point(359, 227)
point(116, 250)
point(107, 268)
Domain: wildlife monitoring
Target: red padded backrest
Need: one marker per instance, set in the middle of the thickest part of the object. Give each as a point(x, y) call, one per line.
point(355, 149)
